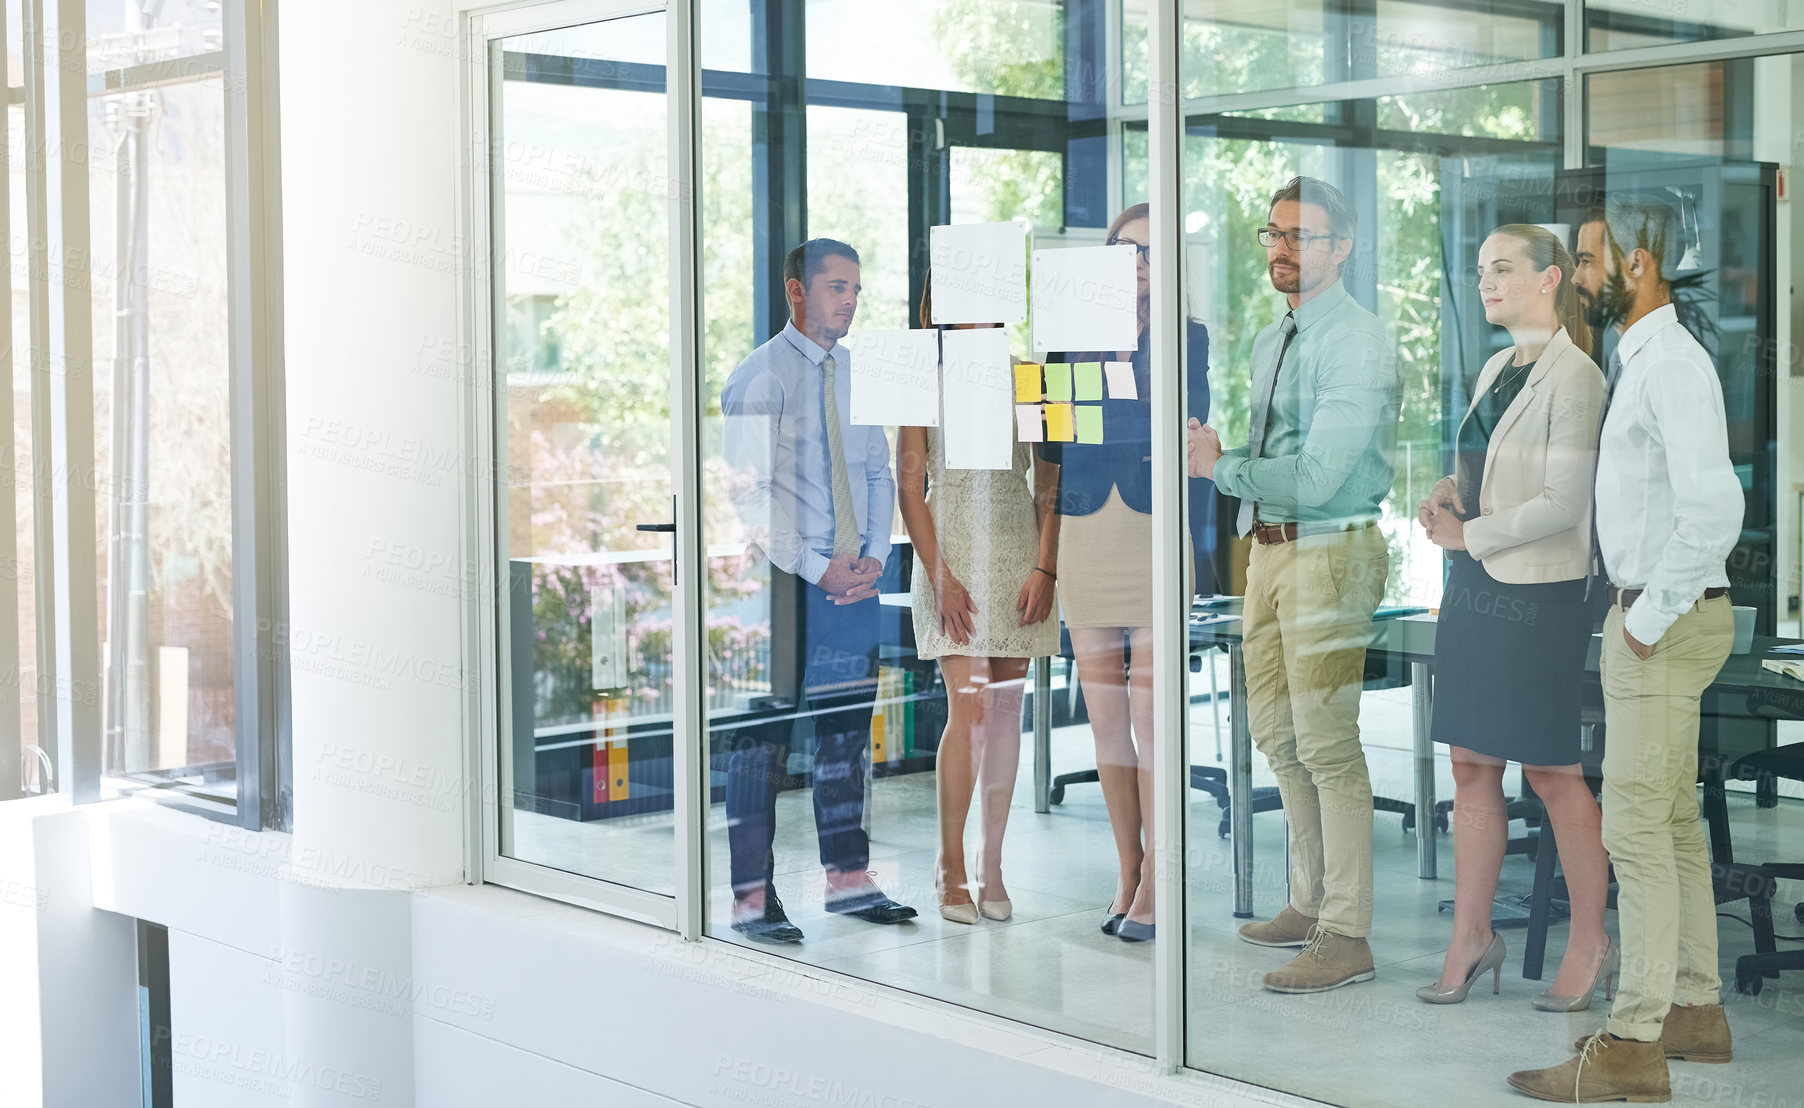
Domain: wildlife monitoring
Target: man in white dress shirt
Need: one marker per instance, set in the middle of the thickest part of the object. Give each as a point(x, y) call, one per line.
point(815, 495)
point(1669, 510)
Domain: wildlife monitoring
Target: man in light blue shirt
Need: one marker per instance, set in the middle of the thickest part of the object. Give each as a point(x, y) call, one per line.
point(1310, 483)
point(816, 496)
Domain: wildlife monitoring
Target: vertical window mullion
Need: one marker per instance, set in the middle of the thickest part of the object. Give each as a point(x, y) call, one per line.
point(254, 289)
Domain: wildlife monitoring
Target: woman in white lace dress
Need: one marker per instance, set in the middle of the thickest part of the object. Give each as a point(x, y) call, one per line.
point(986, 559)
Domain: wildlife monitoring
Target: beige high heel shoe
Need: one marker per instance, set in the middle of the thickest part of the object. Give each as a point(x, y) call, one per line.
point(965, 913)
point(1606, 973)
point(998, 910)
point(1492, 959)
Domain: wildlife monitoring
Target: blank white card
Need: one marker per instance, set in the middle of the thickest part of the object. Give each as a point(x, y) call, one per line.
point(978, 272)
point(895, 379)
point(979, 432)
point(1085, 298)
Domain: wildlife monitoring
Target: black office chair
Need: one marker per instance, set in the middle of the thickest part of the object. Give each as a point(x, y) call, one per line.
point(1765, 768)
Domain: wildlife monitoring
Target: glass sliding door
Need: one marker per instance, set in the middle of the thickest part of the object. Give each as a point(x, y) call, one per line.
point(947, 309)
point(579, 152)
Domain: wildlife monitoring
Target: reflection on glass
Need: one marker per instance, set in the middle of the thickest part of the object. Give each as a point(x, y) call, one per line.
point(1232, 47)
point(582, 359)
point(991, 186)
point(134, 33)
point(1627, 24)
point(163, 432)
point(984, 46)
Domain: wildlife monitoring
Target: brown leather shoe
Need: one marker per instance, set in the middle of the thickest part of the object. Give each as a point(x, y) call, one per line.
point(1699, 1033)
point(1328, 962)
point(1696, 1034)
point(1289, 928)
point(1606, 1069)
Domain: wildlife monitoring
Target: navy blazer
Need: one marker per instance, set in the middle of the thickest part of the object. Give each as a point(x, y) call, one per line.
point(1088, 472)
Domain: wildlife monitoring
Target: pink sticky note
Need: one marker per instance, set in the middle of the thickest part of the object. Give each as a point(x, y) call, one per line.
point(1121, 380)
point(1033, 429)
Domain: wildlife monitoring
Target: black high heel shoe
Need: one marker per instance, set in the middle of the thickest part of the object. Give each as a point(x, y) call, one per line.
point(1128, 931)
point(1112, 922)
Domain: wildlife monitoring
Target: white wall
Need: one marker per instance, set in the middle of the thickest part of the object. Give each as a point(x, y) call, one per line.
point(375, 460)
point(68, 973)
point(480, 996)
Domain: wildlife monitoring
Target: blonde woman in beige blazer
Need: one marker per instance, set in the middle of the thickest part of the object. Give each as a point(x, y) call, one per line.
point(1514, 625)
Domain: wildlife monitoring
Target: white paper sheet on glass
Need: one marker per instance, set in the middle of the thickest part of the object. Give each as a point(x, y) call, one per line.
point(1084, 299)
point(1121, 380)
point(979, 272)
point(895, 378)
point(979, 383)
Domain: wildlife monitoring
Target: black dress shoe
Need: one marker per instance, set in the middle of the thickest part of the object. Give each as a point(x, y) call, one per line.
point(1129, 931)
point(772, 927)
point(872, 907)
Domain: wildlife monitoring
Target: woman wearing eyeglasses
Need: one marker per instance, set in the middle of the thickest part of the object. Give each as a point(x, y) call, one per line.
point(1105, 544)
point(1515, 520)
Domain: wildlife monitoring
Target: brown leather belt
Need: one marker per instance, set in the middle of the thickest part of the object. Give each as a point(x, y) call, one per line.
point(1271, 534)
point(1627, 597)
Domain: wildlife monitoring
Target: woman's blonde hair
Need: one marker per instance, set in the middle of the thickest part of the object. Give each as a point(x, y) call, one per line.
point(1544, 249)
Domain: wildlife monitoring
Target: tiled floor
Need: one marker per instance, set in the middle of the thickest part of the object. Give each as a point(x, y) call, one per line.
point(1369, 1044)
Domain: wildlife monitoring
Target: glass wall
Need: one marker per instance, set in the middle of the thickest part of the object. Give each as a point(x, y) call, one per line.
point(579, 155)
point(946, 314)
point(1627, 24)
point(925, 442)
point(163, 432)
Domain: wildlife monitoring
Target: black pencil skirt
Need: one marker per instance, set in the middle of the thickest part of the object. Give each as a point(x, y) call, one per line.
point(1509, 665)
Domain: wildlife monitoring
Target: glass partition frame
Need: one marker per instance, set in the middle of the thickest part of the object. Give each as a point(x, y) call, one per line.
point(1163, 121)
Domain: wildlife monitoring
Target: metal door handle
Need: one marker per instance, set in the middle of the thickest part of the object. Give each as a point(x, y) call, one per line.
point(669, 528)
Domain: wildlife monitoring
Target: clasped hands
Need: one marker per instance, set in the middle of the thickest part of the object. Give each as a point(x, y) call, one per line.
point(847, 580)
point(1204, 448)
point(1441, 515)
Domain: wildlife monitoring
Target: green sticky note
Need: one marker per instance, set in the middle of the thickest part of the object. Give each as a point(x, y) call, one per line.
point(1058, 381)
point(1089, 380)
point(1089, 425)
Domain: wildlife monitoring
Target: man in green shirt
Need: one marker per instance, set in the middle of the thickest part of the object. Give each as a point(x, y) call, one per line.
point(1310, 482)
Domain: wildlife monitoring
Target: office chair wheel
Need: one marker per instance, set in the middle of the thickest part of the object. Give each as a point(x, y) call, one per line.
point(1221, 828)
point(1058, 794)
point(1798, 911)
point(1748, 982)
point(1440, 822)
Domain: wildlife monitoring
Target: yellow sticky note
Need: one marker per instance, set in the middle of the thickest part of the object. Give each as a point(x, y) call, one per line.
point(1058, 423)
point(1058, 381)
point(1089, 424)
point(1089, 380)
point(1027, 383)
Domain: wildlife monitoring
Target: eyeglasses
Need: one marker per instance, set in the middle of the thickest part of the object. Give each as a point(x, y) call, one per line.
point(1141, 248)
point(1296, 240)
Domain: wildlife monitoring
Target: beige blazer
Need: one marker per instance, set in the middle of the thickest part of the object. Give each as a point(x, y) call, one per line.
point(1533, 521)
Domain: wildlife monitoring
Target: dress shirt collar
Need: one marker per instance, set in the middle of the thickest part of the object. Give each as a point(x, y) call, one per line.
point(1643, 331)
point(1317, 307)
point(808, 347)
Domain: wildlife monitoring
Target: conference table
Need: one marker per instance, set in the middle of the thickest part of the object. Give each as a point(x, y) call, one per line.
point(1742, 690)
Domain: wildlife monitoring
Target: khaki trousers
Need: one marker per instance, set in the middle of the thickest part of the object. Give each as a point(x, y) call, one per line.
point(1307, 622)
point(1665, 906)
